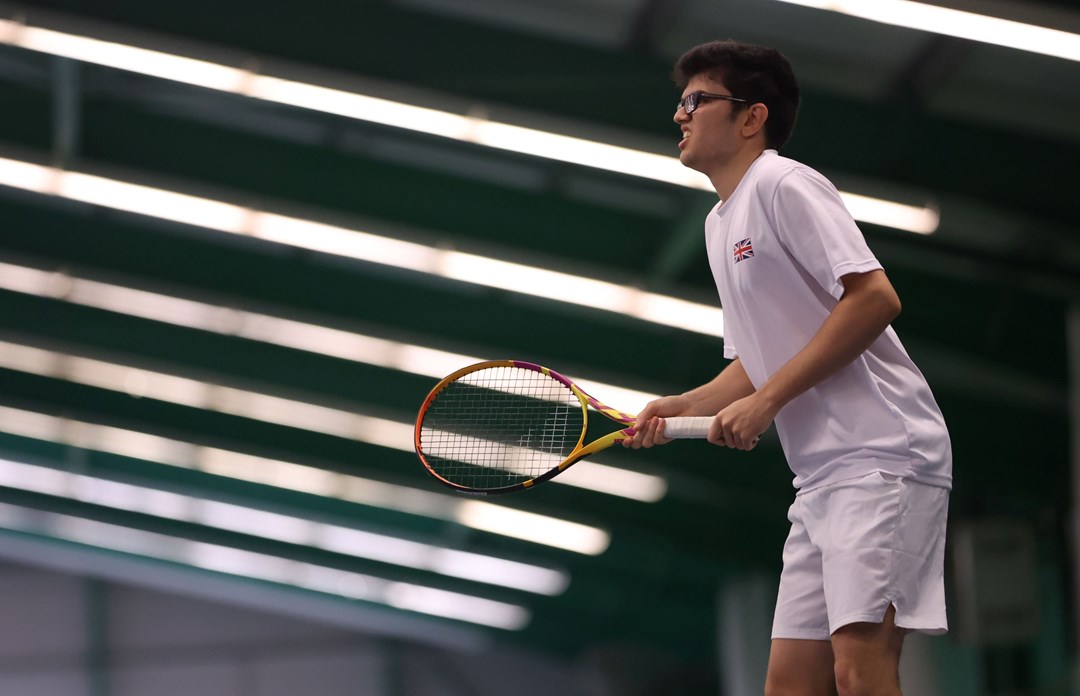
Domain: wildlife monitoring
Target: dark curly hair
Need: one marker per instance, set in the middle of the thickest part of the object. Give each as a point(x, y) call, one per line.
point(755, 73)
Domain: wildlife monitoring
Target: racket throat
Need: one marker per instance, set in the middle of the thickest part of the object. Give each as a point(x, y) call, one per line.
point(603, 443)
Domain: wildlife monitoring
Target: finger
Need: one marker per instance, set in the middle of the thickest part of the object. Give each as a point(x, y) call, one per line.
point(641, 432)
point(642, 438)
point(641, 425)
point(649, 438)
point(716, 433)
point(750, 442)
point(659, 437)
point(729, 435)
point(654, 435)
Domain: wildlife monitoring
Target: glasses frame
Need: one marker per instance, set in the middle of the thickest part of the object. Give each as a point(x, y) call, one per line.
point(692, 101)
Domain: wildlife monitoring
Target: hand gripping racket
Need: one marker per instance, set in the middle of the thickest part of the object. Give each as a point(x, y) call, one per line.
point(506, 425)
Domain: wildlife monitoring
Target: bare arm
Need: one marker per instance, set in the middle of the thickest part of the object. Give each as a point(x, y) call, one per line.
point(867, 307)
point(727, 387)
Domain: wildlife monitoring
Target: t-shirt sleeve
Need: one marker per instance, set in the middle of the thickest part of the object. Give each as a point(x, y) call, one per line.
point(730, 352)
point(818, 231)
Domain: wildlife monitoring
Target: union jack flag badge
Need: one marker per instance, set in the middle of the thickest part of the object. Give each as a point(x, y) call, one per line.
point(743, 250)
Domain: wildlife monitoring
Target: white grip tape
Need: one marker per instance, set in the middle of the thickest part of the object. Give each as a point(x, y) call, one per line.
point(687, 427)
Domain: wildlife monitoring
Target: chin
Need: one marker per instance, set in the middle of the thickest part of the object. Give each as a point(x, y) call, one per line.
point(688, 160)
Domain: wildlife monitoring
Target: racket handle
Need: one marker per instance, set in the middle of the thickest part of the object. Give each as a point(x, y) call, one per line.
point(687, 427)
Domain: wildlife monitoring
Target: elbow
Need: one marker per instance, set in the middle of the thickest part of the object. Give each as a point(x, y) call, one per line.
point(887, 305)
point(886, 301)
point(893, 307)
point(874, 295)
point(883, 304)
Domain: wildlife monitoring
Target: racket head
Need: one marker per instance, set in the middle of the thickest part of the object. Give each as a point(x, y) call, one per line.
point(500, 426)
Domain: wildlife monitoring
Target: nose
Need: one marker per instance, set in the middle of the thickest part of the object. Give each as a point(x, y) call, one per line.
point(680, 115)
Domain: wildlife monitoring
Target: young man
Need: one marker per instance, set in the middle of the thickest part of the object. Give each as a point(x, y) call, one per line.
point(807, 310)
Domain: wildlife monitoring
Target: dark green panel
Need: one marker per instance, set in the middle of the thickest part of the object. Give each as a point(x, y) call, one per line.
point(1007, 460)
point(987, 319)
point(25, 117)
point(901, 144)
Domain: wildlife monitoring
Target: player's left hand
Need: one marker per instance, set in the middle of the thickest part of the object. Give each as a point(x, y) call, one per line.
point(740, 425)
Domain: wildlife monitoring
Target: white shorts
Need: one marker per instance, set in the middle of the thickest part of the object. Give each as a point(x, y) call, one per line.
point(857, 546)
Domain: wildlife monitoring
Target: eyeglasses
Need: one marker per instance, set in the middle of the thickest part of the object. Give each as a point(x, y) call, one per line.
point(691, 101)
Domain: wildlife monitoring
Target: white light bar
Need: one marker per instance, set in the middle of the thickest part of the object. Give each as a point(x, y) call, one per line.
point(889, 214)
point(958, 23)
point(470, 129)
point(325, 341)
point(115, 55)
point(535, 527)
point(249, 564)
point(169, 388)
point(153, 202)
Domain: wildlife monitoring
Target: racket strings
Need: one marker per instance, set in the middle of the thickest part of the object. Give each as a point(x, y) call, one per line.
point(499, 426)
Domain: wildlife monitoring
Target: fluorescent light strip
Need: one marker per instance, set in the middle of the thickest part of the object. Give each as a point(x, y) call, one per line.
point(887, 214)
point(593, 475)
point(567, 535)
point(296, 530)
point(470, 129)
point(340, 241)
point(282, 474)
point(958, 23)
point(248, 564)
point(115, 55)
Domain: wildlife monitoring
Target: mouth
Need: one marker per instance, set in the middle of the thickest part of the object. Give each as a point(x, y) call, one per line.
point(685, 137)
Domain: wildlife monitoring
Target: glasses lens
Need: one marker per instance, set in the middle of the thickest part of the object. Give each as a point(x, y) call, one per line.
point(690, 102)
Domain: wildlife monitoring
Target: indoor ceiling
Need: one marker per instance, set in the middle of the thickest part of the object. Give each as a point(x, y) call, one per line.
point(988, 136)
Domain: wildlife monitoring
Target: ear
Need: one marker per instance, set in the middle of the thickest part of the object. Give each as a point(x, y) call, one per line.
point(754, 119)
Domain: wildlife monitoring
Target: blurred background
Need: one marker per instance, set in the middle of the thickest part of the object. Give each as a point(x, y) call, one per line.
point(240, 241)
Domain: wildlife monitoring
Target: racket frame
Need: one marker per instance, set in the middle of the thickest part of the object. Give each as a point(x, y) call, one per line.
point(579, 452)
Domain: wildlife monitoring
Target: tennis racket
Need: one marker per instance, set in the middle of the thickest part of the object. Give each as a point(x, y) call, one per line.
point(506, 425)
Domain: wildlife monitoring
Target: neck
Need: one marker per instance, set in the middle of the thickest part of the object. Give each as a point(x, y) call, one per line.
point(727, 176)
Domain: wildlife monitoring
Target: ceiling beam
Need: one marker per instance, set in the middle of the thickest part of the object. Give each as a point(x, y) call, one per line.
point(683, 243)
point(652, 19)
point(928, 69)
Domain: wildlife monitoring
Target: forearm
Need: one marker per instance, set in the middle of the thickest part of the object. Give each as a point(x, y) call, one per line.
point(859, 318)
point(730, 385)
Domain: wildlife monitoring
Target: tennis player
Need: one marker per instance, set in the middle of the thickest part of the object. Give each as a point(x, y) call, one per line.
point(807, 312)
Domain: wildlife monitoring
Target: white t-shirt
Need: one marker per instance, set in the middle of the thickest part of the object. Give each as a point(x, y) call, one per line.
point(778, 247)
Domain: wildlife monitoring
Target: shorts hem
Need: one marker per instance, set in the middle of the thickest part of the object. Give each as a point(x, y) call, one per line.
point(930, 628)
point(933, 628)
point(801, 633)
point(861, 617)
